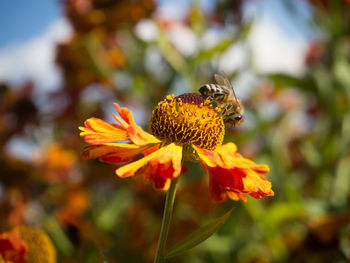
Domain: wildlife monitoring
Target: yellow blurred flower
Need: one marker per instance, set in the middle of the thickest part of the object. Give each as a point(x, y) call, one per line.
point(26, 244)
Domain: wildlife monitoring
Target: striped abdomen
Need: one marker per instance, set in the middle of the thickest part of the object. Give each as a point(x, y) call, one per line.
point(214, 92)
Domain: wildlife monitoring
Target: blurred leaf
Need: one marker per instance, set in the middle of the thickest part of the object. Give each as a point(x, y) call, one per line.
point(315, 207)
point(324, 85)
point(254, 208)
point(138, 85)
point(220, 47)
point(285, 80)
point(207, 54)
point(197, 19)
point(260, 127)
point(341, 183)
point(95, 52)
point(346, 129)
point(278, 247)
point(345, 242)
point(197, 236)
point(279, 213)
point(172, 56)
point(109, 214)
point(103, 257)
point(342, 73)
point(218, 244)
point(311, 153)
point(58, 236)
point(91, 256)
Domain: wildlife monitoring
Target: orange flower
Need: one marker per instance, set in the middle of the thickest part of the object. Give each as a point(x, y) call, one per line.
point(182, 128)
point(56, 162)
point(25, 244)
point(12, 248)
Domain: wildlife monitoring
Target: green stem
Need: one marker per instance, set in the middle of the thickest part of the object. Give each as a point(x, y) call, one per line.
point(168, 210)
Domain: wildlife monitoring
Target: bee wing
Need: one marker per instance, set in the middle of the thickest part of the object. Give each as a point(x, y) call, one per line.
point(229, 85)
point(220, 80)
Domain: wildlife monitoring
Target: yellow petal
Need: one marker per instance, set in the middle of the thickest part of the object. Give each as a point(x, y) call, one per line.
point(97, 131)
point(136, 133)
point(221, 156)
point(169, 157)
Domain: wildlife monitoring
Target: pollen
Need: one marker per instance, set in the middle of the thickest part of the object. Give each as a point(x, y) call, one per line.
point(187, 119)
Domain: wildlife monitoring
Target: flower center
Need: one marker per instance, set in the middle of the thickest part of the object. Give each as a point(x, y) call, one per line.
point(188, 119)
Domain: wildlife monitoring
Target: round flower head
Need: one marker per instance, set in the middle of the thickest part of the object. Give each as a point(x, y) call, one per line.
point(25, 244)
point(40, 247)
point(188, 120)
point(184, 127)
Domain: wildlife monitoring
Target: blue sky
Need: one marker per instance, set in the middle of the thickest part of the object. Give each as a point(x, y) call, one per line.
point(21, 20)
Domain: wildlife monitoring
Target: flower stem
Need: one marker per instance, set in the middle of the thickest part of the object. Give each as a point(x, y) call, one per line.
point(168, 210)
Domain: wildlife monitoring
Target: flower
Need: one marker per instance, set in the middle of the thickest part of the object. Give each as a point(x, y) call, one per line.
point(12, 248)
point(76, 201)
point(26, 244)
point(181, 128)
point(57, 163)
point(40, 247)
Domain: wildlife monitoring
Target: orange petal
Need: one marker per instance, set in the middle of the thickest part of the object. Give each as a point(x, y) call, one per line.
point(112, 152)
point(136, 133)
point(236, 196)
point(262, 186)
point(158, 167)
point(218, 157)
point(151, 149)
point(97, 131)
point(232, 175)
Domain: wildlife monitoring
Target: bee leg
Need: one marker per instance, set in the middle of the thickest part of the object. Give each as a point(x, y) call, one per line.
point(219, 96)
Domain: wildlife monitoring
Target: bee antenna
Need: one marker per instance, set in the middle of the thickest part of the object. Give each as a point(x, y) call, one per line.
point(233, 90)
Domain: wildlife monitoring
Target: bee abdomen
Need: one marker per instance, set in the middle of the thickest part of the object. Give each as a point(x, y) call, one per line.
point(205, 91)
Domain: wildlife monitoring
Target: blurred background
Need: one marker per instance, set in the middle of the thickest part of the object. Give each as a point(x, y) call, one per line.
point(64, 61)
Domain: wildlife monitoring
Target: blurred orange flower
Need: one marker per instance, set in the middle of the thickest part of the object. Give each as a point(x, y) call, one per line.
point(12, 248)
point(57, 163)
point(75, 204)
point(182, 128)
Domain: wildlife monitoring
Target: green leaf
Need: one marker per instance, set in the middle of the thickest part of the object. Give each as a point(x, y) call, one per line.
point(341, 183)
point(207, 54)
point(222, 46)
point(197, 236)
point(109, 214)
point(58, 236)
point(172, 55)
point(288, 80)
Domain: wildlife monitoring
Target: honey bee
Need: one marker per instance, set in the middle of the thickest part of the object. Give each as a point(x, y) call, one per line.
point(225, 97)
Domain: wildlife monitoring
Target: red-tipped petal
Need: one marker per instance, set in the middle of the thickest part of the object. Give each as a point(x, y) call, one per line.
point(232, 175)
point(113, 152)
point(158, 167)
point(136, 133)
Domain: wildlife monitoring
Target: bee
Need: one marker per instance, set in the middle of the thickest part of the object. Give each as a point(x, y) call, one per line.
point(225, 97)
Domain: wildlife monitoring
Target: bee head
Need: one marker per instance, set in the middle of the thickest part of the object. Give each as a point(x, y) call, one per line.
point(235, 121)
point(238, 120)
